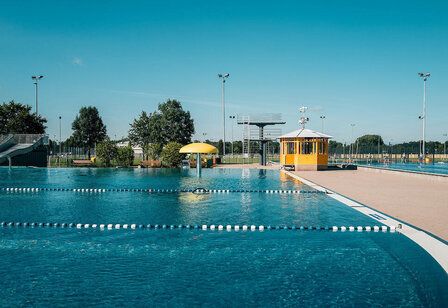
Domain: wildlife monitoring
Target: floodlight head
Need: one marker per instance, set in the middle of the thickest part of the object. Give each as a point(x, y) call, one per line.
point(227, 75)
point(424, 75)
point(219, 75)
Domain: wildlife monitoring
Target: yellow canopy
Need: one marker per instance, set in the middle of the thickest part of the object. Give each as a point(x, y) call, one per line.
point(202, 148)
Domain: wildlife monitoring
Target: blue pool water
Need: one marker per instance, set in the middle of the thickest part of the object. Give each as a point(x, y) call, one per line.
point(437, 168)
point(53, 266)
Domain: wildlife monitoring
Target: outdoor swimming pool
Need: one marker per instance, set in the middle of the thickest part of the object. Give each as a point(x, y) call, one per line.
point(186, 266)
point(437, 168)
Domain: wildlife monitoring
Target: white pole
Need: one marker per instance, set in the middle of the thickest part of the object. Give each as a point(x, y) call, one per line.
point(233, 121)
point(424, 118)
point(37, 96)
point(223, 117)
point(351, 145)
point(198, 164)
point(444, 144)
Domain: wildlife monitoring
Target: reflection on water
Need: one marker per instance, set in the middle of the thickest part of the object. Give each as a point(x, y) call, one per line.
point(284, 178)
point(245, 173)
point(262, 174)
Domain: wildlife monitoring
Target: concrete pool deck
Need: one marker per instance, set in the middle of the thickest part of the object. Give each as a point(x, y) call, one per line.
point(416, 200)
point(435, 247)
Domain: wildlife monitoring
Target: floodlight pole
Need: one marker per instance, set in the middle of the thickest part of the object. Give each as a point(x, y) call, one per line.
point(425, 76)
point(233, 120)
point(36, 83)
point(223, 78)
point(351, 146)
point(60, 136)
point(323, 118)
point(444, 145)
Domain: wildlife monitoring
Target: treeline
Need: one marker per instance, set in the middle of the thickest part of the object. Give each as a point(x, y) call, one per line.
point(160, 133)
point(373, 144)
point(273, 147)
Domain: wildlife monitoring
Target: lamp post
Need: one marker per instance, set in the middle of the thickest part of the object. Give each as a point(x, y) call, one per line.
point(351, 146)
point(223, 78)
point(233, 121)
point(204, 136)
point(36, 83)
point(444, 145)
point(60, 136)
point(323, 118)
point(425, 77)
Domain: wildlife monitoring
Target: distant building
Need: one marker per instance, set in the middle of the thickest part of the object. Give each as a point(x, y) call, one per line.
point(138, 151)
point(304, 149)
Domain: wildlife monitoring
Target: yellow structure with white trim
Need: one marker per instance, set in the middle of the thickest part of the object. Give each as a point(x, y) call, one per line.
point(199, 147)
point(304, 149)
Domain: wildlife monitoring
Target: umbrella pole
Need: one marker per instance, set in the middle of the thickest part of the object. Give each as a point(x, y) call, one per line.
point(198, 164)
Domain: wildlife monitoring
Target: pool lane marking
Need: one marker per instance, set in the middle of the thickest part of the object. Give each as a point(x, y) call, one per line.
point(437, 249)
point(155, 191)
point(212, 227)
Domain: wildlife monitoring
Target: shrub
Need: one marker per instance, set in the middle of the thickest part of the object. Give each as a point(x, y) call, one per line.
point(106, 151)
point(125, 156)
point(171, 156)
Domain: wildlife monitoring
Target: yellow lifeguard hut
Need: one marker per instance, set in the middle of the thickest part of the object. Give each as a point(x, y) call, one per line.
point(304, 149)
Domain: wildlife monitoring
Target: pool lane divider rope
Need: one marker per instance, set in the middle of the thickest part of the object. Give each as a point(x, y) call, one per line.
point(198, 191)
point(228, 228)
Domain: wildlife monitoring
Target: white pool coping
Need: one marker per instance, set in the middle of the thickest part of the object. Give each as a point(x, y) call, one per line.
point(437, 249)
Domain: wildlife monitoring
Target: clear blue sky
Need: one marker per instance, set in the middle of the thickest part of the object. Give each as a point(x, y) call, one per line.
point(354, 61)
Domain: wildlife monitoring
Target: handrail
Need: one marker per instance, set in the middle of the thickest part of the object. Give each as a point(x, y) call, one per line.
point(4, 137)
point(27, 138)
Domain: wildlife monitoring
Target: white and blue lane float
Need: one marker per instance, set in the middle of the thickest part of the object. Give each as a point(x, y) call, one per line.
point(155, 190)
point(204, 227)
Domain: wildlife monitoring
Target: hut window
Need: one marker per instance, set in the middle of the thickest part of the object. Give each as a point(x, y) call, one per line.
point(307, 148)
point(290, 148)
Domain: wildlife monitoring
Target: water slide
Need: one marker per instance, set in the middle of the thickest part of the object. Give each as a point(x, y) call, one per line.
point(12, 145)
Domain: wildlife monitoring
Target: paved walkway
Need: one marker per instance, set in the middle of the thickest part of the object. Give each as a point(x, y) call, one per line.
point(416, 200)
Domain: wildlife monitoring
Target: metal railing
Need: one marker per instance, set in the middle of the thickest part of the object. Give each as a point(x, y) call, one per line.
point(4, 137)
point(27, 138)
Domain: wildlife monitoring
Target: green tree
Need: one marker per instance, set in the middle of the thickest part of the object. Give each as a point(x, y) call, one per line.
point(125, 156)
point(177, 124)
point(17, 118)
point(106, 151)
point(171, 156)
point(88, 128)
point(145, 130)
point(169, 123)
point(368, 144)
point(335, 147)
point(154, 151)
